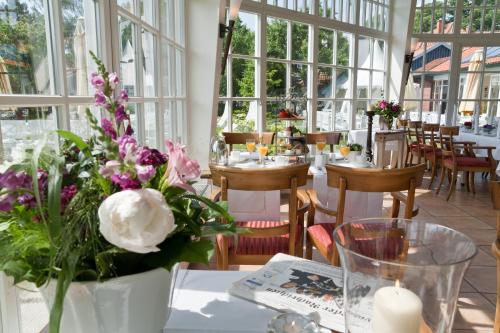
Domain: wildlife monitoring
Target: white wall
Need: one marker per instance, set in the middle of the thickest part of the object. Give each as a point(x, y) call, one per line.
point(400, 44)
point(203, 63)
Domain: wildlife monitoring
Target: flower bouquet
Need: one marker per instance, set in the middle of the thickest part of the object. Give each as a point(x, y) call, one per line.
point(103, 208)
point(387, 111)
point(488, 128)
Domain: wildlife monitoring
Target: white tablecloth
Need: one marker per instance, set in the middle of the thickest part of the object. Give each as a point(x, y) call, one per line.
point(200, 303)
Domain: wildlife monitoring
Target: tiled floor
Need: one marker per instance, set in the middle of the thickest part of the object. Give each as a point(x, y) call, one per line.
point(473, 215)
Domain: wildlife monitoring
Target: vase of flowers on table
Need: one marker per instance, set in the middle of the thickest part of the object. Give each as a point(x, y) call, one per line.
point(387, 112)
point(98, 224)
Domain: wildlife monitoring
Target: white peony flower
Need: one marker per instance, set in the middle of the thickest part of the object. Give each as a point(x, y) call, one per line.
point(136, 220)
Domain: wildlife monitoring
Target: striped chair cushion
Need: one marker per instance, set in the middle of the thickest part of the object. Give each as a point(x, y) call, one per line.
point(259, 245)
point(468, 162)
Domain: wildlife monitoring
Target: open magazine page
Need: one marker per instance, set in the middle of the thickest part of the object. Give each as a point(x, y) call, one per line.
point(291, 283)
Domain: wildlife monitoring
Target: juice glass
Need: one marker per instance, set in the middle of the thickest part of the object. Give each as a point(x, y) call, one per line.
point(344, 151)
point(262, 149)
point(320, 145)
point(250, 145)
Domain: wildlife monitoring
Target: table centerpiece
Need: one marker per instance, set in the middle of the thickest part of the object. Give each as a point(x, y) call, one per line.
point(387, 112)
point(100, 222)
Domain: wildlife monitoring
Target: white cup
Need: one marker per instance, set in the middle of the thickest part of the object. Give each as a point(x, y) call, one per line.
point(281, 160)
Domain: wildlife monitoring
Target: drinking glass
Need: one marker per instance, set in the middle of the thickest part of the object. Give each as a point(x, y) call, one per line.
point(344, 151)
point(320, 145)
point(262, 149)
point(401, 275)
point(250, 145)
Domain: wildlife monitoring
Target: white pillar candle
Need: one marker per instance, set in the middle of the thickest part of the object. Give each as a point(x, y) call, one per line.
point(396, 310)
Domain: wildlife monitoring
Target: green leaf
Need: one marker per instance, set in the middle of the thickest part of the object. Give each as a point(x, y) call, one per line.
point(54, 197)
point(177, 249)
point(212, 205)
point(5, 225)
point(78, 141)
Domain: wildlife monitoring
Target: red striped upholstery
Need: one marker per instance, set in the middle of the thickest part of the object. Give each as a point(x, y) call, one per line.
point(430, 154)
point(259, 245)
point(467, 162)
point(414, 147)
point(367, 245)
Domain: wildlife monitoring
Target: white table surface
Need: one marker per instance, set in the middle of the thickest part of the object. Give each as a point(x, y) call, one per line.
point(483, 140)
point(201, 304)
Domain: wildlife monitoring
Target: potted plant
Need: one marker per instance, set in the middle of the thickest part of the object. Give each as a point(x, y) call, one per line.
point(387, 112)
point(468, 125)
point(99, 224)
point(355, 150)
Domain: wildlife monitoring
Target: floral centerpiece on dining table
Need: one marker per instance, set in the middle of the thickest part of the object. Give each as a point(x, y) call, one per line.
point(387, 112)
point(102, 208)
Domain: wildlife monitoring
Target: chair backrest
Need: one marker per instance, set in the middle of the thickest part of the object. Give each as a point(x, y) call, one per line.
point(331, 138)
point(495, 197)
point(430, 132)
point(415, 133)
point(265, 179)
point(375, 180)
point(402, 123)
point(446, 134)
point(233, 138)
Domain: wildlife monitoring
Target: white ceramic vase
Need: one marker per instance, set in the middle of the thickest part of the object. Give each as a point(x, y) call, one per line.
point(127, 304)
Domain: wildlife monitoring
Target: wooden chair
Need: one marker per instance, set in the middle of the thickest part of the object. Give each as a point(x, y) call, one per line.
point(331, 138)
point(432, 148)
point(415, 141)
point(363, 180)
point(233, 138)
point(266, 238)
point(495, 196)
point(454, 161)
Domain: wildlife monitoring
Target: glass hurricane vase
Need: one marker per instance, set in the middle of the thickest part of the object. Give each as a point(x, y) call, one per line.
point(401, 275)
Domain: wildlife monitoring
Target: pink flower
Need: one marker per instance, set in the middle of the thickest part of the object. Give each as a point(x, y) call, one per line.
point(127, 146)
point(110, 168)
point(382, 104)
point(97, 81)
point(181, 169)
point(145, 172)
point(114, 80)
point(100, 98)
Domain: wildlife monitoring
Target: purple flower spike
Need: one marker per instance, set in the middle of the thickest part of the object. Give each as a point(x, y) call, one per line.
point(6, 202)
point(129, 131)
point(120, 114)
point(14, 180)
point(100, 99)
point(127, 146)
point(108, 128)
point(125, 181)
point(67, 193)
point(124, 95)
point(148, 156)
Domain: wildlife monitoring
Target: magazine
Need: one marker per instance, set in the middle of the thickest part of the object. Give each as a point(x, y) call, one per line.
point(304, 286)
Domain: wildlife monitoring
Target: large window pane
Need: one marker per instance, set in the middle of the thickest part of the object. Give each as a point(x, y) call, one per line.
point(244, 34)
point(344, 41)
point(127, 56)
point(276, 38)
point(148, 10)
point(244, 116)
point(222, 117)
point(325, 83)
point(276, 79)
point(78, 119)
point(343, 85)
point(243, 78)
point(299, 79)
point(325, 55)
point(300, 34)
point(80, 37)
point(167, 121)
point(24, 64)
point(150, 124)
point(167, 18)
point(148, 58)
point(22, 128)
point(179, 21)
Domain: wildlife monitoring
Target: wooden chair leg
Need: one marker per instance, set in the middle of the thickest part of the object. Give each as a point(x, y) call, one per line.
point(433, 173)
point(453, 183)
point(467, 180)
point(471, 181)
point(448, 173)
point(441, 179)
point(308, 247)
